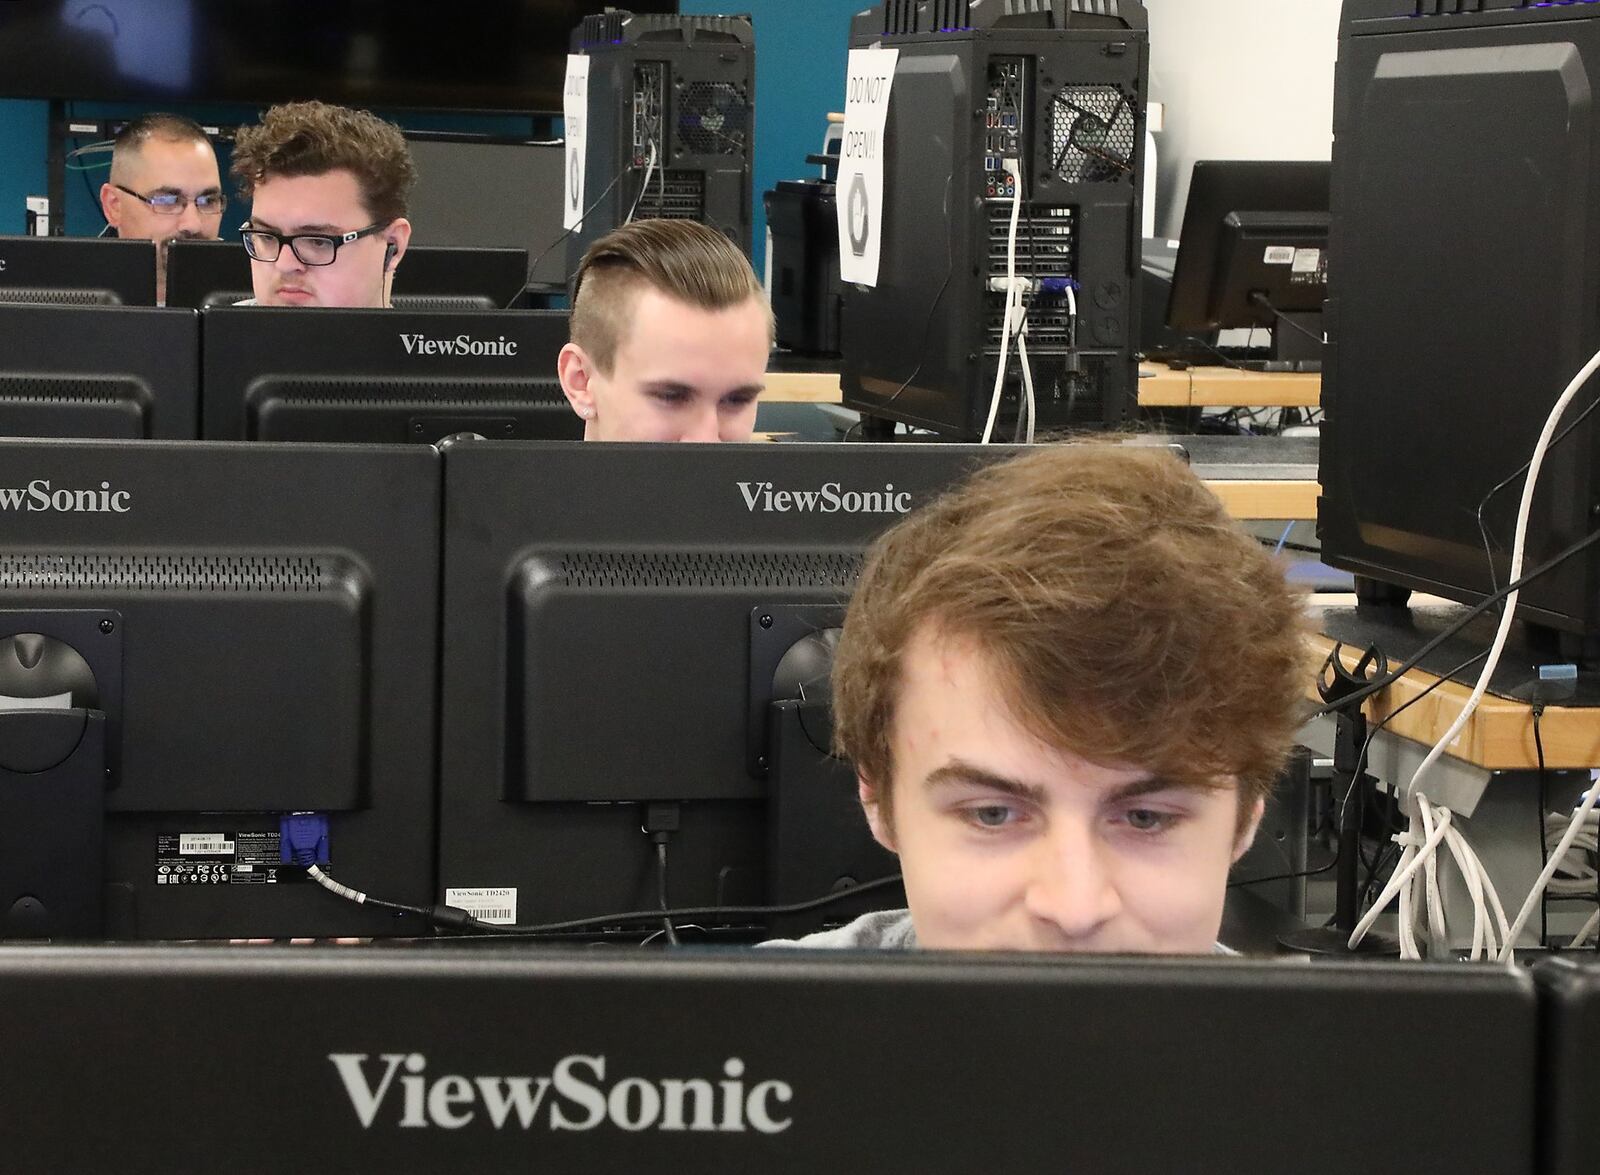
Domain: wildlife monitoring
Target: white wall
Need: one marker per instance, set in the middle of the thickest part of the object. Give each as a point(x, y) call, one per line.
point(1241, 79)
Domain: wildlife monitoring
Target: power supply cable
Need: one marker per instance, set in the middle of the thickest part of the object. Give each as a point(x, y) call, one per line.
point(644, 187)
point(616, 179)
point(454, 918)
point(1386, 680)
point(1012, 299)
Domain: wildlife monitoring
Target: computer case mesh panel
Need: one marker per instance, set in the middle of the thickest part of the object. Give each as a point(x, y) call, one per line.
point(1060, 87)
point(671, 102)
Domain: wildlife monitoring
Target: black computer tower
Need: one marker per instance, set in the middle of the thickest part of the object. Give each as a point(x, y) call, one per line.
point(678, 90)
point(1061, 86)
point(1463, 282)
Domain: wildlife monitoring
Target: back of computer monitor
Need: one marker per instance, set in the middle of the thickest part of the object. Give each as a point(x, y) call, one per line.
point(444, 277)
point(497, 1059)
point(294, 374)
point(202, 274)
point(77, 271)
point(1569, 993)
point(1250, 226)
point(122, 372)
point(618, 618)
point(255, 626)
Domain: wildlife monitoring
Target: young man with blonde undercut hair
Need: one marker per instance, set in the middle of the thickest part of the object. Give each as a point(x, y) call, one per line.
point(670, 336)
point(328, 189)
point(1067, 688)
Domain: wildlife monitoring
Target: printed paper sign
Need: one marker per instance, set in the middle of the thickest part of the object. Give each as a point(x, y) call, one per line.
point(861, 188)
point(575, 106)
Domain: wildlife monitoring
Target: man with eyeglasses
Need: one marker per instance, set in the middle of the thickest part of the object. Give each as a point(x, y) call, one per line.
point(164, 184)
point(327, 188)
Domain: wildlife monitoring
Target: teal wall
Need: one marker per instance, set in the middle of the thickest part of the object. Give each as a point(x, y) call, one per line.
point(801, 48)
point(800, 68)
point(22, 146)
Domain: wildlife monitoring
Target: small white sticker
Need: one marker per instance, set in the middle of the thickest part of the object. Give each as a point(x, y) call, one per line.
point(1307, 260)
point(1279, 255)
point(493, 904)
point(208, 843)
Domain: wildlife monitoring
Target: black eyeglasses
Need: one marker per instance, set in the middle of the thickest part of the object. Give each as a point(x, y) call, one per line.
point(310, 248)
point(173, 203)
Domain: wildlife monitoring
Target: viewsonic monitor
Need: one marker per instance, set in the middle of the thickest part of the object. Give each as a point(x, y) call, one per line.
point(638, 637)
point(1254, 241)
point(124, 372)
point(202, 274)
point(78, 271)
point(196, 642)
point(787, 1063)
point(1569, 992)
point(296, 374)
point(490, 193)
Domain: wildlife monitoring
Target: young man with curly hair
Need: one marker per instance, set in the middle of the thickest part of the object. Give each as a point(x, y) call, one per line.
point(1067, 688)
point(327, 188)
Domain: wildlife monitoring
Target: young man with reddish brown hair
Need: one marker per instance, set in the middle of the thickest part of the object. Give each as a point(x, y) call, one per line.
point(1067, 688)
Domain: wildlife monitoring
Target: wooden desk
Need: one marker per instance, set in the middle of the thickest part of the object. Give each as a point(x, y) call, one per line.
point(1268, 500)
point(1159, 387)
point(802, 387)
point(1498, 736)
point(1224, 387)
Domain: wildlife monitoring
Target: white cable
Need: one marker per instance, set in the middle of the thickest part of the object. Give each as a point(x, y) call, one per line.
point(1028, 403)
point(1013, 297)
point(328, 883)
point(1586, 930)
point(1491, 663)
point(1576, 874)
point(644, 187)
point(1410, 862)
point(1579, 819)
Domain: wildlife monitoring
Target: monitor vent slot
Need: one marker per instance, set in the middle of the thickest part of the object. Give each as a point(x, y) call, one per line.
point(67, 389)
point(404, 392)
point(275, 574)
point(51, 297)
point(700, 569)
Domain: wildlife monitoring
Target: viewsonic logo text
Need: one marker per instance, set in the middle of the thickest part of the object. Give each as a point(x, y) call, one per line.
point(574, 1096)
point(460, 345)
point(831, 498)
point(39, 495)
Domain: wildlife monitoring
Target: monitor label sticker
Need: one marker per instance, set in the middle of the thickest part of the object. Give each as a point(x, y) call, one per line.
point(222, 858)
point(1279, 255)
point(494, 904)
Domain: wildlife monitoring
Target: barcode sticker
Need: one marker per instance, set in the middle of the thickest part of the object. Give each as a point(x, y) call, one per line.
point(494, 904)
point(209, 843)
point(1279, 255)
